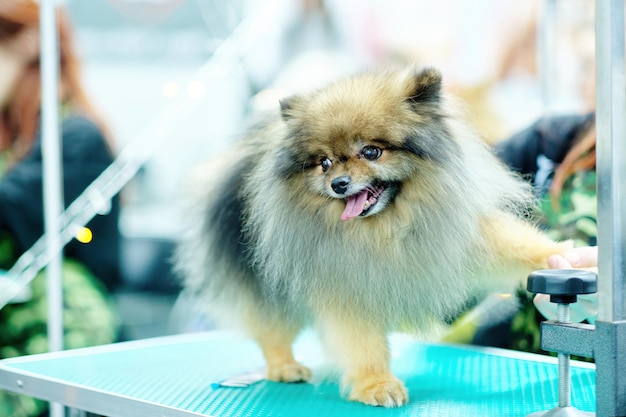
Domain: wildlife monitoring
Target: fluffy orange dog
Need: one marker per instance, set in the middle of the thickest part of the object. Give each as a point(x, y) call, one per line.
point(361, 208)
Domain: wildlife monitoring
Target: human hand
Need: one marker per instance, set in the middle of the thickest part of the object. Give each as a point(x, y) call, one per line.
point(578, 258)
point(587, 306)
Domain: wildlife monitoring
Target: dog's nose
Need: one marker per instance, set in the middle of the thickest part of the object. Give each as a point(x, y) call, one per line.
point(340, 184)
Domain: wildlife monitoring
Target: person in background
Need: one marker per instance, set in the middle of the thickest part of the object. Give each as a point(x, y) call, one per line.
point(558, 155)
point(90, 269)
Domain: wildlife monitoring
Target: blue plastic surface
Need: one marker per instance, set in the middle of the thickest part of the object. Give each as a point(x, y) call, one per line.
point(442, 380)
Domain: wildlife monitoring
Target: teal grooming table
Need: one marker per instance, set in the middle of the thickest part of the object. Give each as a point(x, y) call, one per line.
point(179, 376)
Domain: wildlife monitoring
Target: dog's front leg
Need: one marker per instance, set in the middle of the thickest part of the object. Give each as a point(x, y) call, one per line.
point(363, 354)
point(275, 336)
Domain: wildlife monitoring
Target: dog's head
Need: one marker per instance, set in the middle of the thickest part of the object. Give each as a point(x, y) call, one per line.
point(358, 140)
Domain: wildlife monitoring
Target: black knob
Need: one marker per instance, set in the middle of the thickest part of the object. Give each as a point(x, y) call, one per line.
point(563, 285)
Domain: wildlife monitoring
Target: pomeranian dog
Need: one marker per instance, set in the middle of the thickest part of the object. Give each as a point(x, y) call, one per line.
point(362, 208)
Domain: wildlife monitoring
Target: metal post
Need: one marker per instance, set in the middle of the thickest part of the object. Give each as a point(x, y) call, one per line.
point(610, 338)
point(52, 168)
point(52, 175)
point(611, 157)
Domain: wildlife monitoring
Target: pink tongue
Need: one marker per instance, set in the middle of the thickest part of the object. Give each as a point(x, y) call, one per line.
point(354, 206)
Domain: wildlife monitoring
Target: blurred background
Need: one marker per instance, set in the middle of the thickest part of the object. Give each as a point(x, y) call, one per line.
point(181, 78)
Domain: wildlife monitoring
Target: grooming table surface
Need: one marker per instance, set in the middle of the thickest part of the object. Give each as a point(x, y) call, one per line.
point(175, 376)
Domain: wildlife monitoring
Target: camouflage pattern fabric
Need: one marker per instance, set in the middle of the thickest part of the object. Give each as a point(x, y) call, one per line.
point(89, 319)
point(576, 219)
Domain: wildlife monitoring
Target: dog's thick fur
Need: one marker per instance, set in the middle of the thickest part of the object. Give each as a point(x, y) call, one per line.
point(282, 241)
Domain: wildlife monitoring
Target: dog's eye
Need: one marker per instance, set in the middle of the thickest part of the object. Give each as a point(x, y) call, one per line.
point(371, 153)
point(326, 164)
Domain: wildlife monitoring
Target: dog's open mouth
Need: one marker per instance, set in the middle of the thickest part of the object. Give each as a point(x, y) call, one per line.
point(363, 202)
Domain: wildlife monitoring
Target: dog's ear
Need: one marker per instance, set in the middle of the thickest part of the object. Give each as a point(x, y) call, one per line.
point(424, 87)
point(286, 106)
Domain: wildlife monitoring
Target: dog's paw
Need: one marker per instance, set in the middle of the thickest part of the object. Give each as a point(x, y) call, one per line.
point(288, 372)
point(380, 390)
